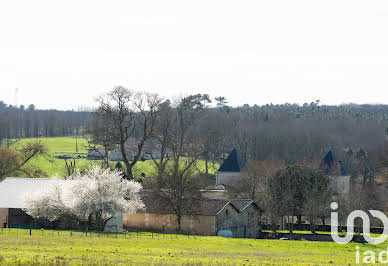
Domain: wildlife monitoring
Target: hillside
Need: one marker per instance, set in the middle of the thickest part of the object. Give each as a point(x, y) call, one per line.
point(67, 146)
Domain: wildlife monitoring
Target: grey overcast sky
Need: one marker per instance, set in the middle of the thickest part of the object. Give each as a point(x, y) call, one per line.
point(61, 54)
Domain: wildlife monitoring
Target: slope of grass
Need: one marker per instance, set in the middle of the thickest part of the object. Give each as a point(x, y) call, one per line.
point(67, 146)
point(61, 144)
point(50, 248)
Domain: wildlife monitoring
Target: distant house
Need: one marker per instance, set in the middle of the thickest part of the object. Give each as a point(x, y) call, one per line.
point(96, 154)
point(13, 195)
point(151, 149)
point(340, 180)
point(240, 217)
point(230, 169)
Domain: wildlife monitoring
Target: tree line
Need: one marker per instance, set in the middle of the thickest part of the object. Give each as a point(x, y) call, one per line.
point(28, 122)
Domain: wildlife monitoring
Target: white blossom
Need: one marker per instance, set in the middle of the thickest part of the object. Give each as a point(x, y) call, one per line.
point(91, 198)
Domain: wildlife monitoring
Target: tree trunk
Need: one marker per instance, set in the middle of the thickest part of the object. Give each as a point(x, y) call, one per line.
point(206, 164)
point(312, 225)
point(179, 217)
point(299, 217)
point(125, 160)
point(291, 223)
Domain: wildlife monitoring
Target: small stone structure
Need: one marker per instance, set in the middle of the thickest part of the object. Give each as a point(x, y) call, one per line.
point(230, 170)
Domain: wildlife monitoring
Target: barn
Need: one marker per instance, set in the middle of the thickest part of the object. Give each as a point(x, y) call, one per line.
point(241, 217)
point(13, 193)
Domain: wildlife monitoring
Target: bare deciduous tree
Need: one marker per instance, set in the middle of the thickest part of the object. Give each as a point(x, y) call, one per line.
point(251, 185)
point(163, 135)
point(180, 187)
point(128, 114)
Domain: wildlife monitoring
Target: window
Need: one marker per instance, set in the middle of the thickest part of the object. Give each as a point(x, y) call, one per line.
point(226, 211)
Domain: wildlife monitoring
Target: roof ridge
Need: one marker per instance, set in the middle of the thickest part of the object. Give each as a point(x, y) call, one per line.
point(31, 178)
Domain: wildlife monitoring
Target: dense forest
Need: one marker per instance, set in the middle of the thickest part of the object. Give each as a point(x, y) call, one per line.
point(294, 133)
point(290, 132)
point(27, 122)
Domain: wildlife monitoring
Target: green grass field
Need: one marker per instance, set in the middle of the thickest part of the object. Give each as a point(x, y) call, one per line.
point(67, 145)
point(18, 247)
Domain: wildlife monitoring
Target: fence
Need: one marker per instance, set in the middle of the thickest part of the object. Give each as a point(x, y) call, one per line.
point(91, 234)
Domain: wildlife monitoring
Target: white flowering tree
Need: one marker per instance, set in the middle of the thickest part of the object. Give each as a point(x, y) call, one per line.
point(90, 199)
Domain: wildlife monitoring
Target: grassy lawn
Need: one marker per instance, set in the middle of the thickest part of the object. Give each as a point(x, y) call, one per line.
point(66, 146)
point(49, 248)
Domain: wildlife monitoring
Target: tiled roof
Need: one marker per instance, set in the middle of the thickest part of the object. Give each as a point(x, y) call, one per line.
point(330, 159)
point(208, 207)
point(215, 187)
point(14, 191)
point(233, 163)
point(241, 204)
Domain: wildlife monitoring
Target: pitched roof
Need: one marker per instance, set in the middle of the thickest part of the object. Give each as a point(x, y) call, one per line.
point(233, 163)
point(216, 187)
point(331, 164)
point(241, 204)
point(330, 159)
point(14, 191)
point(209, 207)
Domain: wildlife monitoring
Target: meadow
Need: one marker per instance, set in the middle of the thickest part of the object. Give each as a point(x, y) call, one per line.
point(67, 248)
point(67, 146)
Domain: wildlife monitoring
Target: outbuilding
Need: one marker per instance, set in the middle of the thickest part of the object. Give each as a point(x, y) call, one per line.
point(240, 217)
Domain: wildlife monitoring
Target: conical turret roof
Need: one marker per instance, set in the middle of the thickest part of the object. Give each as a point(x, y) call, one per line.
point(233, 163)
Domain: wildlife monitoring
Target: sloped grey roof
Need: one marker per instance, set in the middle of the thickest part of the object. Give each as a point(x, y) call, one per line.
point(209, 207)
point(241, 204)
point(215, 187)
point(233, 163)
point(13, 191)
point(331, 164)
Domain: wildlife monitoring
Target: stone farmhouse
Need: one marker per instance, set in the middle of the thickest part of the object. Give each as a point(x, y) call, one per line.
point(151, 149)
point(212, 216)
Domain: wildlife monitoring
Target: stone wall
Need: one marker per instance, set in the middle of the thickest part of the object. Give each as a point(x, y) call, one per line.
point(3, 217)
point(226, 219)
point(227, 178)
